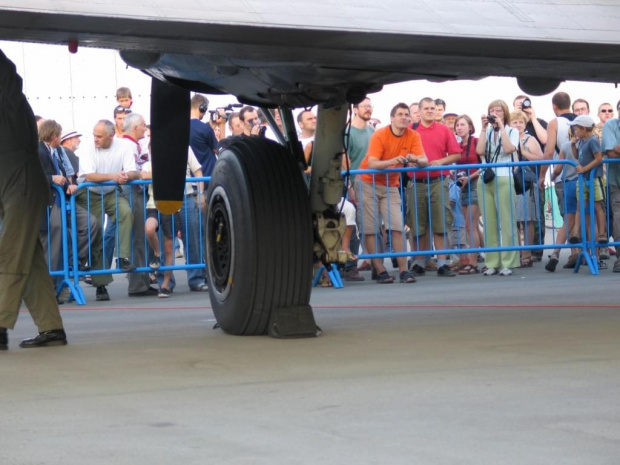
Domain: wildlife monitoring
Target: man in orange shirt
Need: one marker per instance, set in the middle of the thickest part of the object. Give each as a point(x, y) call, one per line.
point(393, 146)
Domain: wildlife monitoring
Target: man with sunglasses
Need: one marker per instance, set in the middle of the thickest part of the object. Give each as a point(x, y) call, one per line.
point(605, 113)
point(610, 146)
point(120, 113)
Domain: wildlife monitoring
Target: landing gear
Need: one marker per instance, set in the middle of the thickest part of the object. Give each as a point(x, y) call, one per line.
point(259, 242)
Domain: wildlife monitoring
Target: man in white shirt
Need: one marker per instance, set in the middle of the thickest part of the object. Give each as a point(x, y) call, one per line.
point(109, 159)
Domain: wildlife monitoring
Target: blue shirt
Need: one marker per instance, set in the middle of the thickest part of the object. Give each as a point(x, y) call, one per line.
point(587, 148)
point(455, 204)
point(611, 139)
point(203, 142)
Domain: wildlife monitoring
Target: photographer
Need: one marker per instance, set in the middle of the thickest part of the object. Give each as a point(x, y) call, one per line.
point(251, 121)
point(498, 143)
point(536, 127)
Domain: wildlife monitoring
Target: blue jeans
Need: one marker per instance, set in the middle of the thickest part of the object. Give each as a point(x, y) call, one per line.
point(191, 233)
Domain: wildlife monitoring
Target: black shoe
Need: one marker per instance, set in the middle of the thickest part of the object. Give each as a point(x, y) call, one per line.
point(4, 339)
point(445, 272)
point(125, 265)
point(101, 295)
point(150, 292)
point(54, 337)
point(551, 264)
point(164, 293)
point(418, 270)
point(394, 263)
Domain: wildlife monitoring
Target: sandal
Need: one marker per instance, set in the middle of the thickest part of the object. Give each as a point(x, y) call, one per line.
point(384, 278)
point(325, 281)
point(602, 239)
point(407, 277)
point(527, 262)
point(469, 269)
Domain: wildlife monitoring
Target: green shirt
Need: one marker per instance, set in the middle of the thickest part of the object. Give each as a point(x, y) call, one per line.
point(358, 145)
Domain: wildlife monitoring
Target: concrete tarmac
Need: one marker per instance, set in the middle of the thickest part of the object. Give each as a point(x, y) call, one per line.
point(467, 370)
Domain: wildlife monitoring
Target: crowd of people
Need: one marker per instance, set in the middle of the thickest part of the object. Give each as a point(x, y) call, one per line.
point(465, 208)
point(417, 211)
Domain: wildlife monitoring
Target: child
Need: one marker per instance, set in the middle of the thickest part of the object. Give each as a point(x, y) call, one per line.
point(123, 97)
point(590, 158)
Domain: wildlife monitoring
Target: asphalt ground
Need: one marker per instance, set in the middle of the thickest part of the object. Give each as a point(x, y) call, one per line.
point(467, 370)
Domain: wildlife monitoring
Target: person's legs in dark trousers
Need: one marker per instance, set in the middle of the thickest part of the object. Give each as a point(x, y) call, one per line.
point(138, 282)
point(109, 239)
point(539, 225)
point(23, 271)
point(51, 242)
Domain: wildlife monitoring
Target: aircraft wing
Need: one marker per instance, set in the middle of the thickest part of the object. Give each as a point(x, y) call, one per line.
point(298, 52)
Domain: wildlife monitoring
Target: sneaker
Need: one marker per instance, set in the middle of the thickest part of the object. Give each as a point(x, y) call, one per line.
point(150, 292)
point(616, 266)
point(418, 270)
point(444, 271)
point(102, 294)
point(505, 272)
point(352, 275)
point(155, 263)
point(125, 265)
point(490, 272)
point(604, 253)
point(602, 265)
point(164, 293)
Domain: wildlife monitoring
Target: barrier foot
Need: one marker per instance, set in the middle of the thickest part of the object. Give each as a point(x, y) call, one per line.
point(334, 277)
point(590, 262)
point(75, 292)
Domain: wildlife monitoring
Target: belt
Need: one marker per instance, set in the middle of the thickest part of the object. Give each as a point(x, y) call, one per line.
point(427, 180)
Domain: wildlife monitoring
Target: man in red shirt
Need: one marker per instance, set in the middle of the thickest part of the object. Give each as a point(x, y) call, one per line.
point(430, 190)
point(393, 146)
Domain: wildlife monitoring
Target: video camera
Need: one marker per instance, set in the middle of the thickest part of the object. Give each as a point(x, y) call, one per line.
point(228, 109)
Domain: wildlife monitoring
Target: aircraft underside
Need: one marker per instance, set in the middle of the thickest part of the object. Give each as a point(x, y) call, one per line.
point(263, 229)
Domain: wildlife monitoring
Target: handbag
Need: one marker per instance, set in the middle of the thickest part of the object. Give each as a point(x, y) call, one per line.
point(524, 177)
point(488, 174)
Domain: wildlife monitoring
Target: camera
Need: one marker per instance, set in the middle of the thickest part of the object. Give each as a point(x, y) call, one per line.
point(228, 109)
point(526, 104)
point(491, 119)
point(460, 174)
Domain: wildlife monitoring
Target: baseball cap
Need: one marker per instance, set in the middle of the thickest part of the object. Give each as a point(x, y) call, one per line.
point(69, 135)
point(449, 114)
point(583, 120)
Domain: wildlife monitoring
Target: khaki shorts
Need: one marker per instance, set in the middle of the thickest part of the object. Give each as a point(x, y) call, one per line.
point(381, 202)
point(418, 206)
point(599, 185)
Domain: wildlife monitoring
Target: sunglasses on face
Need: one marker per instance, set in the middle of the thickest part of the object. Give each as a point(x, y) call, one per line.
point(607, 111)
point(120, 109)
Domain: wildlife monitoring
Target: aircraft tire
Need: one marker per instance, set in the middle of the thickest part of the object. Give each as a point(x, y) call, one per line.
point(259, 236)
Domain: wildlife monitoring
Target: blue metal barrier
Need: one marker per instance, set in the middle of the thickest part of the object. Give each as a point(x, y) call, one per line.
point(418, 209)
point(593, 242)
point(63, 274)
point(71, 271)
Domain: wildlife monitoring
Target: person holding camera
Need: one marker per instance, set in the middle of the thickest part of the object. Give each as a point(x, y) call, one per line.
point(498, 143)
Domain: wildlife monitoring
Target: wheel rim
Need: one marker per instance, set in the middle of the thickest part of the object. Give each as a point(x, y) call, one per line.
point(221, 250)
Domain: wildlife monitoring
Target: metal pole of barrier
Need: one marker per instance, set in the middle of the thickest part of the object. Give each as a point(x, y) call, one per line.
point(78, 294)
